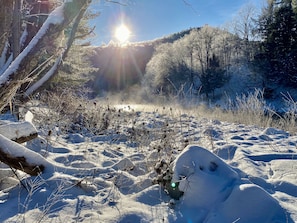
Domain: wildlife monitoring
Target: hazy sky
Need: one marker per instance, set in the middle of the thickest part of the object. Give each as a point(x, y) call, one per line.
point(150, 19)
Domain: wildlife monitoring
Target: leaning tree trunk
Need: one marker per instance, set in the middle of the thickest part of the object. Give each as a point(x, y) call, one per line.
point(20, 70)
point(33, 88)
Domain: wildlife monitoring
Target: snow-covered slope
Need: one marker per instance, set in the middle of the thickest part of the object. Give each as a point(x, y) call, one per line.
point(234, 173)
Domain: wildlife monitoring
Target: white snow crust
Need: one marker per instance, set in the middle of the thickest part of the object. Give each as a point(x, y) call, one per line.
point(228, 173)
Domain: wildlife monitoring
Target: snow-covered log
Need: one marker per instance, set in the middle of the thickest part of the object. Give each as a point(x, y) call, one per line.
point(21, 158)
point(19, 132)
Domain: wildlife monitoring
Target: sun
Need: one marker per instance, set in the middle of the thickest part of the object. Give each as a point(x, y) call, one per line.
point(122, 33)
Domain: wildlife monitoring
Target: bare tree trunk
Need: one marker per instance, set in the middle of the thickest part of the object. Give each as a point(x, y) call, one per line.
point(16, 25)
point(5, 25)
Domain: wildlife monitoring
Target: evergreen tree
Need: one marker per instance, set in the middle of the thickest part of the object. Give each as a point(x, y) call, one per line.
point(213, 77)
point(277, 26)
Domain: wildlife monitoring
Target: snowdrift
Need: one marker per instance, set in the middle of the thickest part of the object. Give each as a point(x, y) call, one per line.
point(227, 172)
point(218, 194)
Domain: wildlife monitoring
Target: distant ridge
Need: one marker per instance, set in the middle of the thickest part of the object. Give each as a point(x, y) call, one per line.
point(167, 39)
point(123, 66)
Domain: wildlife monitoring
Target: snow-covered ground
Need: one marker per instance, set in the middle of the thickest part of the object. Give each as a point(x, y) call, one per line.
point(233, 173)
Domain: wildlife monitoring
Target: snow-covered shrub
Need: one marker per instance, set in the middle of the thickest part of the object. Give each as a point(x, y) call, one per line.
point(288, 120)
point(164, 178)
point(251, 109)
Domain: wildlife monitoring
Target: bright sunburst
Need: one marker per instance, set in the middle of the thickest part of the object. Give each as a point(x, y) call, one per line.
point(122, 33)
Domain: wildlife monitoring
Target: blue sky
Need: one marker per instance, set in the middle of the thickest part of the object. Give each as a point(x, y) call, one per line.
point(150, 19)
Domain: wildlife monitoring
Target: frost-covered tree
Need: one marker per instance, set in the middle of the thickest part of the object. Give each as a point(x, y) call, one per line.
point(166, 72)
point(204, 46)
point(244, 27)
point(208, 46)
point(188, 63)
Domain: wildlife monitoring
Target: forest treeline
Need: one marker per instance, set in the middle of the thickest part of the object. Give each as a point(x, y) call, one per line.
point(200, 60)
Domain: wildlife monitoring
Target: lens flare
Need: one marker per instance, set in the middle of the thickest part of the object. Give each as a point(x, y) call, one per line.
point(173, 185)
point(122, 33)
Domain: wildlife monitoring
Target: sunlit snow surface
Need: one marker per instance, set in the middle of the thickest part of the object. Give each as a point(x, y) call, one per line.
point(233, 173)
point(218, 194)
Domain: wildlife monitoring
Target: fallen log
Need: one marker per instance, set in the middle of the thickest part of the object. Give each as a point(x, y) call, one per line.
point(19, 132)
point(19, 157)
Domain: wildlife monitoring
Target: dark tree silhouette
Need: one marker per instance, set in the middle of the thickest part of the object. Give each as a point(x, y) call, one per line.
point(278, 56)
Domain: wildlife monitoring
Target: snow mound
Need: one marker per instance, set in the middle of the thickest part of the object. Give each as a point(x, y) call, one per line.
point(218, 194)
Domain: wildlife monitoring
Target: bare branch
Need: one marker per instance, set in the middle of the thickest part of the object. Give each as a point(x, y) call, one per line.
point(191, 6)
point(117, 2)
